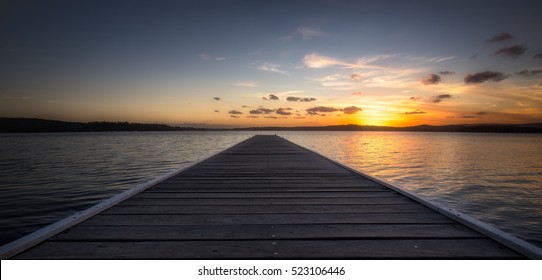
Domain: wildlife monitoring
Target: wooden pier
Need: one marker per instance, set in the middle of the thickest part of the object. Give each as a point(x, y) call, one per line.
point(267, 198)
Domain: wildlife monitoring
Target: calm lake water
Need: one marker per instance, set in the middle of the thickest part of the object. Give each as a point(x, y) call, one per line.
point(496, 178)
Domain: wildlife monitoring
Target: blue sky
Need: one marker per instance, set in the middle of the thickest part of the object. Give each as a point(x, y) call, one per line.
point(195, 62)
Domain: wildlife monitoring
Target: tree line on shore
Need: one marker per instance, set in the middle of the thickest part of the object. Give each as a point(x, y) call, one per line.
point(30, 125)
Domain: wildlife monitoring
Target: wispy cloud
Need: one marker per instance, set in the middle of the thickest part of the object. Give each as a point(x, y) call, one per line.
point(370, 59)
point(446, 72)
point(271, 67)
point(308, 32)
point(370, 74)
point(424, 60)
point(246, 84)
point(315, 60)
point(209, 57)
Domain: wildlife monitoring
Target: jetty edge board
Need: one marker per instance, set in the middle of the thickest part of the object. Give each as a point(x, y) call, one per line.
point(267, 198)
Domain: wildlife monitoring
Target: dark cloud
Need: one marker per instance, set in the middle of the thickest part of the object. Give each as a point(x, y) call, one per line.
point(271, 97)
point(253, 117)
point(321, 109)
point(415, 112)
point(476, 115)
point(261, 111)
point(324, 109)
point(284, 111)
point(432, 79)
point(216, 111)
point(485, 76)
point(529, 72)
point(216, 98)
point(416, 98)
point(446, 72)
point(501, 38)
point(235, 112)
point(538, 55)
point(439, 98)
point(513, 51)
point(266, 111)
point(234, 116)
point(300, 99)
point(351, 110)
point(358, 93)
point(270, 117)
point(356, 77)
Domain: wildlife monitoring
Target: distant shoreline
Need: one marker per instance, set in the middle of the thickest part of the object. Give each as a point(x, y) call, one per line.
point(33, 125)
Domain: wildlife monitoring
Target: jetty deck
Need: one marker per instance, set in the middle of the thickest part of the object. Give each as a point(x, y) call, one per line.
point(267, 198)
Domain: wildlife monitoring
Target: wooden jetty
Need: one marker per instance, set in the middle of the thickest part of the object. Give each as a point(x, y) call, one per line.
point(267, 198)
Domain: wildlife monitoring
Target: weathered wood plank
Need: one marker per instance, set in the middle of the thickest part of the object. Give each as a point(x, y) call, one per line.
point(155, 195)
point(259, 232)
point(276, 249)
point(291, 218)
point(268, 209)
point(266, 201)
point(273, 182)
point(256, 189)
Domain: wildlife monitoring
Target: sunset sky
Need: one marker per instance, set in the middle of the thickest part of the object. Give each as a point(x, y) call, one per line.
point(272, 63)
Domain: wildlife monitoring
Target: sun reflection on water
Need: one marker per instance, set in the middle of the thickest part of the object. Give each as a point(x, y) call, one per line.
point(496, 178)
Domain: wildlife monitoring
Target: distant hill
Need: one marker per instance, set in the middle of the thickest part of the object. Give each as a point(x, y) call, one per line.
point(496, 128)
point(24, 125)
